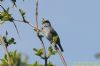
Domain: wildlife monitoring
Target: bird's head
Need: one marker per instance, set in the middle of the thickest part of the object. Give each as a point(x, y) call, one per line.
point(46, 23)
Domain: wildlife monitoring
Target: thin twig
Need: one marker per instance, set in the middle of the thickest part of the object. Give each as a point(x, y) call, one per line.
point(16, 28)
point(44, 50)
point(37, 30)
point(37, 14)
point(6, 51)
point(2, 7)
point(61, 56)
point(26, 23)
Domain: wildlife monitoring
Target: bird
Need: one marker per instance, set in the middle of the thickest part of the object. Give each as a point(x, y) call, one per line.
point(50, 33)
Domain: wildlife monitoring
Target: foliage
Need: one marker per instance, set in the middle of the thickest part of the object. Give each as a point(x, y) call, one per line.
point(50, 64)
point(15, 57)
point(8, 41)
point(35, 64)
point(4, 15)
point(17, 61)
point(40, 53)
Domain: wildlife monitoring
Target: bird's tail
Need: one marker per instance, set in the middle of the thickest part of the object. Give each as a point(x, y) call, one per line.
point(60, 47)
point(61, 56)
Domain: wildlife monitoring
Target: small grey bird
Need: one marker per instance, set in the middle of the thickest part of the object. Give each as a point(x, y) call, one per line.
point(51, 34)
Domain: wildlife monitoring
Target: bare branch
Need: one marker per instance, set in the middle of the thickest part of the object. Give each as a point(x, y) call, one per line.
point(37, 30)
point(61, 56)
point(26, 23)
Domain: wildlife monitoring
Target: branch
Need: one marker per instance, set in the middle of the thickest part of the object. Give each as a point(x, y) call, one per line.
point(61, 56)
point(6, 51)
point(2, 7)
point(37, 30)
point(26, 23)
point(44, 50)
point(37, 14)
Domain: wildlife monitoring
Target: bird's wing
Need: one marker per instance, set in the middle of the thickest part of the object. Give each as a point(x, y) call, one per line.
point(54, 32)
point(55, 37)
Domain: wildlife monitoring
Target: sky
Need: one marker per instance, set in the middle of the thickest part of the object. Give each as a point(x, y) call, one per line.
point(76, 21)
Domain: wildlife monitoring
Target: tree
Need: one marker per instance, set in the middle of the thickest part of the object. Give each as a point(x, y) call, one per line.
point(14, 58)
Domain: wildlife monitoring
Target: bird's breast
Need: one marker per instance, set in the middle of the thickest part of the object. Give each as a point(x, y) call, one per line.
point(48, 34)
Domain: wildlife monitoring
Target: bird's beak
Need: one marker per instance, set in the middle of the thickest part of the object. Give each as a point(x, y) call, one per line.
point(43, 20)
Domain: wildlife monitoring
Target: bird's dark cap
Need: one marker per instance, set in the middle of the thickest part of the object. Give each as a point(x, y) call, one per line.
point(45, 21)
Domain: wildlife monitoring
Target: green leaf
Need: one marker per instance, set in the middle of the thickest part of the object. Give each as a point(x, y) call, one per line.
point(36, 64)
point(22, 12)
point(54, 52)
point(51, 51)
point(39, 52)
point(4, 16)
point(50, 64)
point(7, 10)
point(10, 41)
point(5, 57)
point(15, 53)
point(35, 49)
